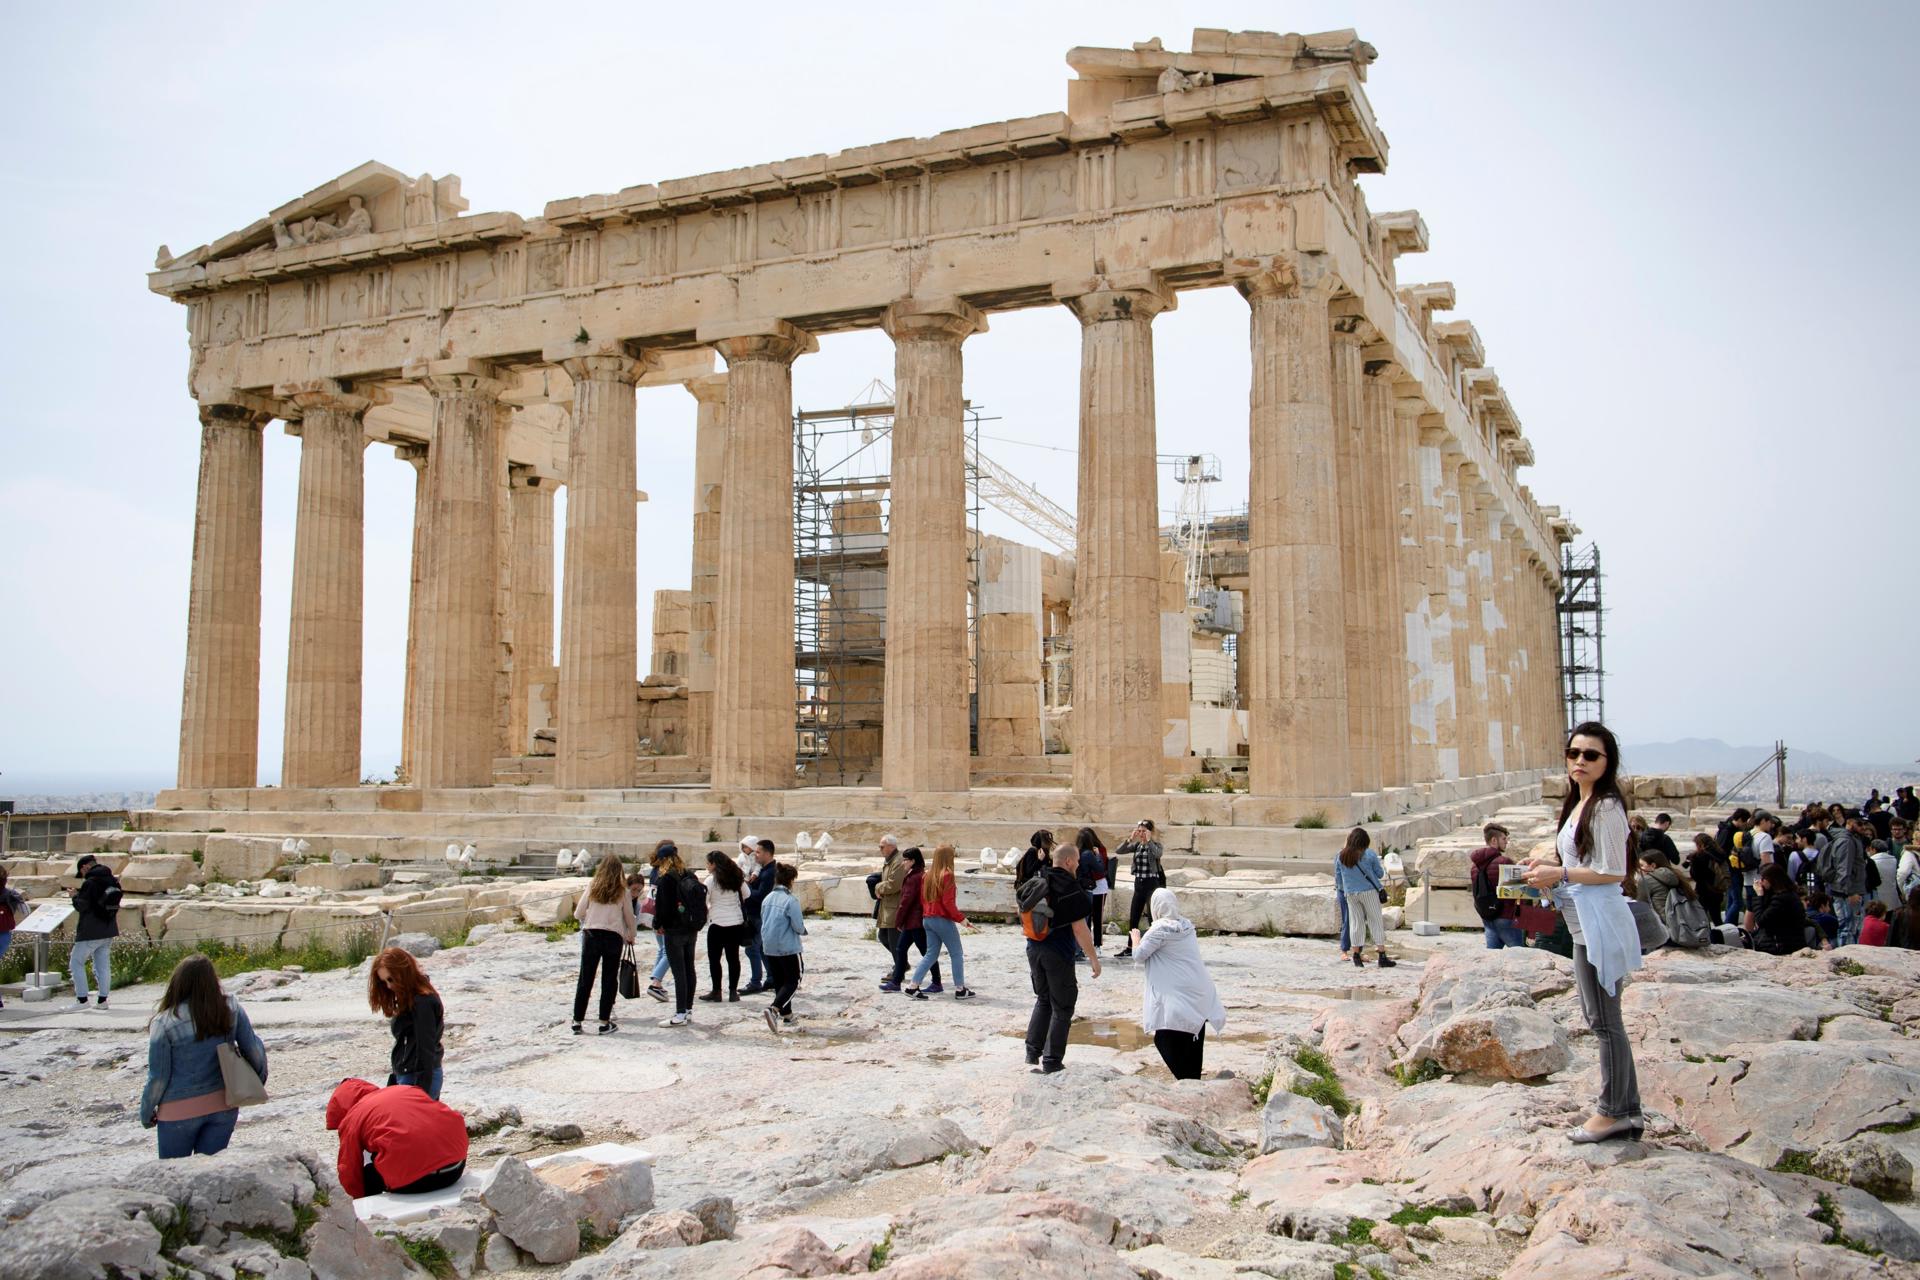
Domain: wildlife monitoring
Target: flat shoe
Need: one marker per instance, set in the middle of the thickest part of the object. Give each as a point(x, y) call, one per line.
point(1618, 1129)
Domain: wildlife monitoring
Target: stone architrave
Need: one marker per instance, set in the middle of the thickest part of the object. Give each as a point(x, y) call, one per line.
point(709, 459)
point(220, 702)
point(414, 455)
point(1356, 572)
point(454, 711)
point(1297, 731)
point(924, 747)
point(1117, 721)
point(753, 697)
point(324, 638)
point(598, 717)
point(532, 602)
point(1436, 469)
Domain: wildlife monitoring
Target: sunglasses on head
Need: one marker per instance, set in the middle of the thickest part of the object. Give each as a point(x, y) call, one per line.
point(1586, 753)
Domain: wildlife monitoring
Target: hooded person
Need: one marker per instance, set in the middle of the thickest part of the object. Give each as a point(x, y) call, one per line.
point(395, 1140)
point(1178, 999)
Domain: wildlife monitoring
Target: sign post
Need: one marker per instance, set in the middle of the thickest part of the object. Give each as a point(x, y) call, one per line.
point(41, 984)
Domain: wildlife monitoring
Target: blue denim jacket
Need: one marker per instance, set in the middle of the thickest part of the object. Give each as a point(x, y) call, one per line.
point(1366, 874)
point(781, 924)
point(179, 1066)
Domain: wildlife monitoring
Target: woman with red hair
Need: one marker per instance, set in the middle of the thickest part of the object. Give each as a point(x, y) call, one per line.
point(397, 988)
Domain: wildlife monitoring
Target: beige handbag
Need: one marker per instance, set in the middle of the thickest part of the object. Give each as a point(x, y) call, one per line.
point(244, 1088)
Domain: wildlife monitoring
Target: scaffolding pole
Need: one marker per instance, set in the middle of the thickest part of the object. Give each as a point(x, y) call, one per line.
point(1582, 652)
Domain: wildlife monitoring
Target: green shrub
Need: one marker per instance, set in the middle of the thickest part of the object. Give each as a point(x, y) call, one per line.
point(566, 928)
point(1315, 821)
point(429, 1253)
point(1419, 1073)
point(1374, 816)
point(1194, 786)
point(1325, 1088)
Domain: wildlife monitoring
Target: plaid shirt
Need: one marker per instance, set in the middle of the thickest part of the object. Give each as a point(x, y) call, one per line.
point(1146, 861)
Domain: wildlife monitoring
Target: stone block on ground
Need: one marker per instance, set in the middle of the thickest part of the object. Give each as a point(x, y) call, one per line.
point(1289, 1120)
point(532, 1213)
point(607, 1195)
point(159, 873)
point(1869, 1161)
point(339, 879)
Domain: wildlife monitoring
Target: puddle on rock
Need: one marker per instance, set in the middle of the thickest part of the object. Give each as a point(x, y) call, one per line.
point(1107, 1033)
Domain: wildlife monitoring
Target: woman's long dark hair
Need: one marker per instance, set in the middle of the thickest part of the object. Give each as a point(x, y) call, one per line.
point(195, 985)
point(1608, 785)
point(1088, 839)
point(1357, 842)
point(726, 872)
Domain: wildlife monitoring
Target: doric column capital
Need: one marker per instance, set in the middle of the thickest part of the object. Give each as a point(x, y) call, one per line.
point(1283, 276)
point(606, 368)
point(708, 389)
point(1136, 296)
point(413, 452)
point(451, 377)
point(238, 411)
point(772, 340)
point(932, 320)
point(329, 394)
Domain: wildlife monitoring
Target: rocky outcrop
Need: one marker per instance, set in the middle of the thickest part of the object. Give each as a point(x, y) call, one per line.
point(532, 1213)
point(1478, 1016)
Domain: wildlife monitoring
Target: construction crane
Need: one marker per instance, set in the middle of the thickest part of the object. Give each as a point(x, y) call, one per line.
point(1007, 493)
point(1194, 472)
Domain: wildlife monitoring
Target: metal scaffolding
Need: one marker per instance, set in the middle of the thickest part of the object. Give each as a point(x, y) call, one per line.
point(843, 464)
point(1583, 677)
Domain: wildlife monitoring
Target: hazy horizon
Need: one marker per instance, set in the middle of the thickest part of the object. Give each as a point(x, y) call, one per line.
point(1675, 265)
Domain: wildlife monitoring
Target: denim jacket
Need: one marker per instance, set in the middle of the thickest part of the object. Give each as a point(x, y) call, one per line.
point(179, 1066)
point(781, 924)
point(1363, 876)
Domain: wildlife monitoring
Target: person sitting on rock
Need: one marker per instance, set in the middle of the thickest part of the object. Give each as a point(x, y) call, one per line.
point(398, 988)
point(395, 1140)
point(1903, 926)
point(1873, 924)
point(1778, 921)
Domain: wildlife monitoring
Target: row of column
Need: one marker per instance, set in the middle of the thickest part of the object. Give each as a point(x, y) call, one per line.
point(1395, 631)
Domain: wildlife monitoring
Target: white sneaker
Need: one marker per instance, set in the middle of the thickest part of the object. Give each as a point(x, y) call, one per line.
point(773, 1020)
point(677, 1020)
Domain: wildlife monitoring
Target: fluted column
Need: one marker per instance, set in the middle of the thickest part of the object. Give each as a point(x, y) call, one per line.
point(753, 698)
point(1468, 707)
point(1551, 678)
point(454, 711)
point(1117, 721)
point(1382, 465)
point(1296, 607)
point(1436, 477)
point(220, 702)
point(415, 455)
point(1508, 643)
point(532, 573)
point(709, 459)
point(1351, 483)
point(924, 747)
point(598, 717)
point(1416, 610)
point(322, 745)
point(1485, 581)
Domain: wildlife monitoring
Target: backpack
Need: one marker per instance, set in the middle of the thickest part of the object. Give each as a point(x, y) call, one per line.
point(693, 902)
point(1486, 902)
point(110, 898)
point(1873, 875)
point(1686, 921)
point(1036, 909)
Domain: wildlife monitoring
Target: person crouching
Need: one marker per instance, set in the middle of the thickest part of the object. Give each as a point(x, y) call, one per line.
point(395, 1140)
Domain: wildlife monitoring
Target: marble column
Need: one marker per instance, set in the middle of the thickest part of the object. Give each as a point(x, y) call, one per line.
point(753, 694)
point(220, 702)
point(1469, 703)
point(454, 727)
point(1117, 721)
point(1551, 680)
point(1436, 475)
point(1510, 644)
point(597, 721)
point(415, 455)
point(1485, 549)
point(709, 459)
point(324, 638)
point(1351, 483)
point(924, 747)
point(1382, 466)
point(1415, 612)
point(532, 573)
point(1297, 726)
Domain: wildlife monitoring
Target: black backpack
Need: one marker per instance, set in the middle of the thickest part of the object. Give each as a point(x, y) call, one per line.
point(693, 902)
point(1486, 902)
point(110, 898)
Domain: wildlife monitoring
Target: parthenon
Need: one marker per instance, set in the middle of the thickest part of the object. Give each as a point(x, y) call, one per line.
point(1399, 606)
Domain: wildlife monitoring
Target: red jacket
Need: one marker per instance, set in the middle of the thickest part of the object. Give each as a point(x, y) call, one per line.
point(912, 911)
point(408, 1134)
point(1487, 861)
point(948, 907)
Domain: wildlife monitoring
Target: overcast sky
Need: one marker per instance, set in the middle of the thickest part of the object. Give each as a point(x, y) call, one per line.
point(1679, 228)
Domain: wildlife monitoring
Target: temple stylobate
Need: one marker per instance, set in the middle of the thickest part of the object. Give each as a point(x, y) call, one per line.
point(1400, 582)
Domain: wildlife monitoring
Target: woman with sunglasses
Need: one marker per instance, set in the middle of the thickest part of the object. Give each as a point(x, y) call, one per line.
point(1595, 852)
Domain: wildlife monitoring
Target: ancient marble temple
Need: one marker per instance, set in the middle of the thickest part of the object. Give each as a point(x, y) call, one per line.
point(1401, 580)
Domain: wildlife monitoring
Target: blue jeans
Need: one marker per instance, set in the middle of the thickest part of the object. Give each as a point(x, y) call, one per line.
point(99, 950)
point(942, 932)
point(1503, 933)
point(1737, 900)
point(1344, 936)
point(200, 1136)
point(754, 961)
point(1849, 914)
point(430, 1084)
point(659, 958)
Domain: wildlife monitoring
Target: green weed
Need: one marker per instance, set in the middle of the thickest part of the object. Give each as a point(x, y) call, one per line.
point(1315, 821)
point(1325, 1089)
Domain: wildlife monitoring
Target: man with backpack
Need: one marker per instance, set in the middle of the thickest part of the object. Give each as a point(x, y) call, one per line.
point(96, 907)
point(1843, 870)
point(1731, 836)
point(1053, 914)
point(1499, 917)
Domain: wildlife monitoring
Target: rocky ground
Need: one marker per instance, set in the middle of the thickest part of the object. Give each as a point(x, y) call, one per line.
point(908, 1136)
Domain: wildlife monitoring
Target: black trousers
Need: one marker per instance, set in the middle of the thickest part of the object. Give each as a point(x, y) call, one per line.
point(727, 938)
point(1142, 895)
point(680, 963)
point(599, 949)
point(902, 940)
point(1182, 1052)
point(785, 972)
point(1099, 919)
point(435, 1181)
point(1055, 991)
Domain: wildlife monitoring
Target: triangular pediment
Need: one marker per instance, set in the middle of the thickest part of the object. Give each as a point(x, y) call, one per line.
point(388, 200)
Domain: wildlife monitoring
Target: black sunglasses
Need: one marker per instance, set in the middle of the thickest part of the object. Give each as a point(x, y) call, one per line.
point(1586, 754)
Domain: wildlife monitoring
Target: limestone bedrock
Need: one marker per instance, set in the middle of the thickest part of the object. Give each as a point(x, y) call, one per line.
point(883, 1116)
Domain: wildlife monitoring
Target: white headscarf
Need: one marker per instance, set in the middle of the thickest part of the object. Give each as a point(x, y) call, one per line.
point(1164, 906)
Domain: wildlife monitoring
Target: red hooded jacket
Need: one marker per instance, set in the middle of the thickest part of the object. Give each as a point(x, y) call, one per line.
point(408, 1134)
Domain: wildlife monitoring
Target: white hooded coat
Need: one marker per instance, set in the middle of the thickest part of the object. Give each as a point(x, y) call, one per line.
point(1178, 993)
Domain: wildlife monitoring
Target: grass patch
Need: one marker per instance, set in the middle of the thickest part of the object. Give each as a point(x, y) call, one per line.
point(429, 1253)
point(881, 1252)
point(1315, 821)
point(1194, 786)
point(1828, 1216)
point(1262, 1089)
point(565, 929)
point(1419, 1073)
point(1343, 1271)
point(1359, 1231)
point(288, 1244)
point(1426, 1213)
point(1325, 1087)
point(1908, 1125)
point(138, 961)
point(712, 836)
point(1849, 967)
point(592, 1241)
point(1375, 816)
point(1795, 1162)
